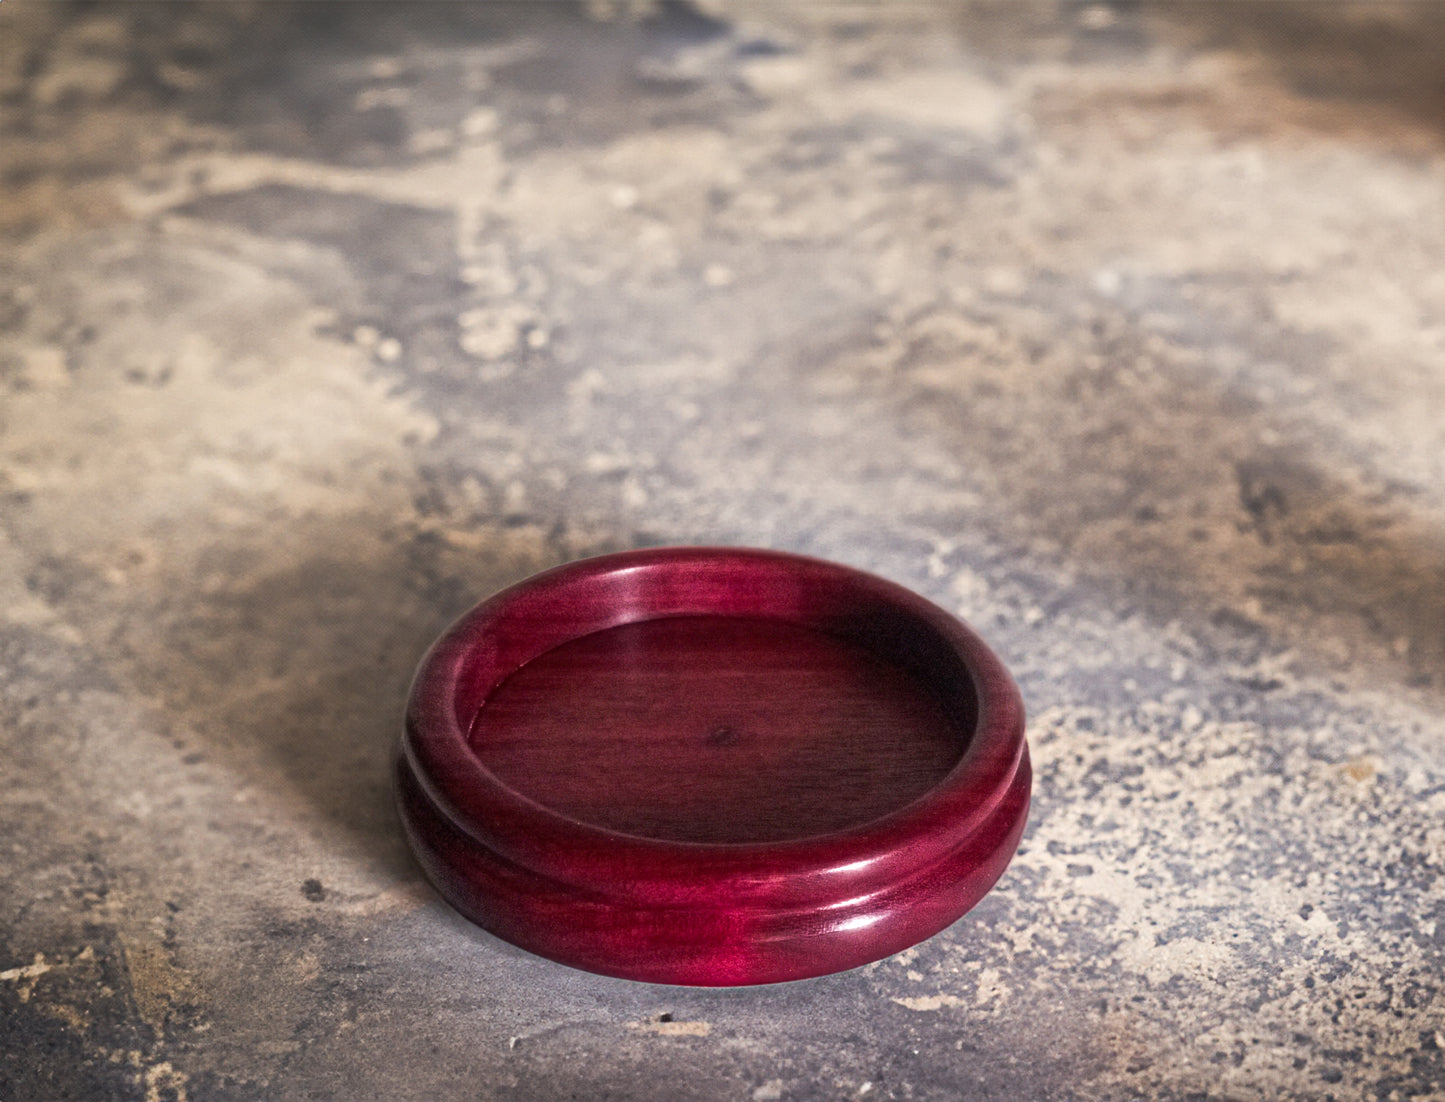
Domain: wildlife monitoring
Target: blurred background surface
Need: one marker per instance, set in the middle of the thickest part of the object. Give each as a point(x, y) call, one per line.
point(1118, 329)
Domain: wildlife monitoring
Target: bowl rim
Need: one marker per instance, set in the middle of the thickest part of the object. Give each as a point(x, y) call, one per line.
point(481, 649)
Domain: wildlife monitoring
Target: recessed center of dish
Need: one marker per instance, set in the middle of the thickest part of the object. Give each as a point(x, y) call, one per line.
point(717, 729)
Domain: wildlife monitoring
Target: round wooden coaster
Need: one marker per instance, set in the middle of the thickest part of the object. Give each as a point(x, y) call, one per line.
point(712, 766)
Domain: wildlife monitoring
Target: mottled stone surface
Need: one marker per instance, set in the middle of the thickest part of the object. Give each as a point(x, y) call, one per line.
point(1119, 329)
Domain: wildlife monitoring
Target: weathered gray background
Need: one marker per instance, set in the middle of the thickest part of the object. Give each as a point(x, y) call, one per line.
point(1119, 329)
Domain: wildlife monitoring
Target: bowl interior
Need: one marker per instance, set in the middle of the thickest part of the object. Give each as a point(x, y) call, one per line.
point(728, 728)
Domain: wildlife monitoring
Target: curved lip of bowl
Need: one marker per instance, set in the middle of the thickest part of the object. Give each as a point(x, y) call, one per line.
point(799, 871)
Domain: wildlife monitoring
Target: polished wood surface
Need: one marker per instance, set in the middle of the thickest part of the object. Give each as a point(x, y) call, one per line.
point(712, 766)
point(717, 729)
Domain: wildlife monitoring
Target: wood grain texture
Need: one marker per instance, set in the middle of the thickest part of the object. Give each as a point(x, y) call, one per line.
point(712, 766)
point(717, 729)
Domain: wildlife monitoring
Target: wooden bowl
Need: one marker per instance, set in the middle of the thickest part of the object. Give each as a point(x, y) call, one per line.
point(712, 766)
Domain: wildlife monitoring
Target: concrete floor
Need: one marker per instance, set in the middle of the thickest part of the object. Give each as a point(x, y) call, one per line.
point(1120, 329)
